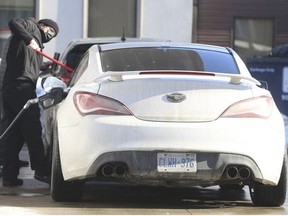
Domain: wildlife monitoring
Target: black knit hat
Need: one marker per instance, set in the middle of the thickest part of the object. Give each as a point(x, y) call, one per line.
point(50, 23)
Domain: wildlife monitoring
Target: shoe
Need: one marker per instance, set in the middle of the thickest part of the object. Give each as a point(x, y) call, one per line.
point(12, 182)
point(40, 176)
point(23, 163)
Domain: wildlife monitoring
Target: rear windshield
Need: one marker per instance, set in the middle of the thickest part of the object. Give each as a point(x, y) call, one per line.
point(152, 58)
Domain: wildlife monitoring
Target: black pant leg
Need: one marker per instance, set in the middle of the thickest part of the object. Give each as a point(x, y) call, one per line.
point(12, 147)
point(16, 95)
point(11, 143)
point(3, 126)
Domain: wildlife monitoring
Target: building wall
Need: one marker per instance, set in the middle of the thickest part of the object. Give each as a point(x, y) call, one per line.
point(215, 19)
point(169, 19)
point(69, 16)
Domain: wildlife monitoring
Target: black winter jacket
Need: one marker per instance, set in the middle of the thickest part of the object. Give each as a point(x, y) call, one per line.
point(22, 62)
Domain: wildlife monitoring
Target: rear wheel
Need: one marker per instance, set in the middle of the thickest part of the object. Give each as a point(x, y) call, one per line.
point(263, 195)
point(61, 190)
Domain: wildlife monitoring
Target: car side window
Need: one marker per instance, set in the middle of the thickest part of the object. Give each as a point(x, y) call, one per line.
point(79, 70)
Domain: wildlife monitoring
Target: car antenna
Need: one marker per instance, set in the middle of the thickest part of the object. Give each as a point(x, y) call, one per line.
point(123, 39)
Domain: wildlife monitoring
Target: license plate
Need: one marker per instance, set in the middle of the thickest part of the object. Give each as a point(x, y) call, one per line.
point(176, 162)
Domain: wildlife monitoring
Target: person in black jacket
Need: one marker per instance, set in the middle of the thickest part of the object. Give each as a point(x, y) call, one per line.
point(19, 83)
point(3, 120)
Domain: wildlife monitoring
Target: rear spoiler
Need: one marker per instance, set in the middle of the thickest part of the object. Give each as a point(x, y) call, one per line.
point(234, 78)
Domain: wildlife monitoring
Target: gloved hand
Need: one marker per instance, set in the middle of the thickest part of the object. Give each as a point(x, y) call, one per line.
point(34, 45)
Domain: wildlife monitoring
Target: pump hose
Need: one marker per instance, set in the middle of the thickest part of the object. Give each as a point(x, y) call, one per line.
point(25, 107)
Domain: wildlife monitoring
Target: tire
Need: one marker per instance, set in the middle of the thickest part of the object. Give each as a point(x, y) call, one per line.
point(263, 195)
point(61, 190)
point(228, 187)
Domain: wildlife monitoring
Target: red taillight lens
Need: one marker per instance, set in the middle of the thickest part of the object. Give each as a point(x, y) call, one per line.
point(260, 107)
point(89, 103)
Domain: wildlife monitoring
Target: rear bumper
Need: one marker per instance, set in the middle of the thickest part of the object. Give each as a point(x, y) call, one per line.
point(141, 167)
point(96, 141)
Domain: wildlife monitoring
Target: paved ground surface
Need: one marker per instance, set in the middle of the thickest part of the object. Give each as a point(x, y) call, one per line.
point(33, 198)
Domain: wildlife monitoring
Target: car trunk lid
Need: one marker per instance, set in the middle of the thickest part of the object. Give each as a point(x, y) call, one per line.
point(176, 98)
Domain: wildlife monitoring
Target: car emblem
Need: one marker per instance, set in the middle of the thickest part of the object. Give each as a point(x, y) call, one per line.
point(176, 97)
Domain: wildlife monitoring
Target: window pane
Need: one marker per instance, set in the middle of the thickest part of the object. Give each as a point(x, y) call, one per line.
point(109, 17)
point(253, 36)
point(79, 70)
point(10, 9)
point(137, 59)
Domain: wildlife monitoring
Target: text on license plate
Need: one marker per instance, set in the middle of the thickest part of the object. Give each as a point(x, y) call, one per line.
point(176, 162)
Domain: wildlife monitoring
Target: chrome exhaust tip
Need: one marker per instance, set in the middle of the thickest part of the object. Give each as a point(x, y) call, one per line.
point(244, 172)
point(119, 170)
point(232, 172)
point(107, 170)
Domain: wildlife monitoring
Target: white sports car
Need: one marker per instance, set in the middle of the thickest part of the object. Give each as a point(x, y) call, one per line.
point(169, 114)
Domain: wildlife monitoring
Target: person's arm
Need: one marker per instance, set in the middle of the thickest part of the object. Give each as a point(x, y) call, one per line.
point(19, 27)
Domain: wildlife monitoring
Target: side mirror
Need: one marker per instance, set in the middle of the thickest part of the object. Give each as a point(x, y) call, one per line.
point(53, 97)
point(263, 85)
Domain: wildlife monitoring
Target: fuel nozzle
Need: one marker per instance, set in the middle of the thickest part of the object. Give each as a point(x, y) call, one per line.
point(30, 102)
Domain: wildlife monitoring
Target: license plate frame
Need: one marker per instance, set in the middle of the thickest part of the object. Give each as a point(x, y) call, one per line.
point(176, 162)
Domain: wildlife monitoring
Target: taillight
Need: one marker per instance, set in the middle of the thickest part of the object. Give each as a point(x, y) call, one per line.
point(260, 107)
point(90, 103)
